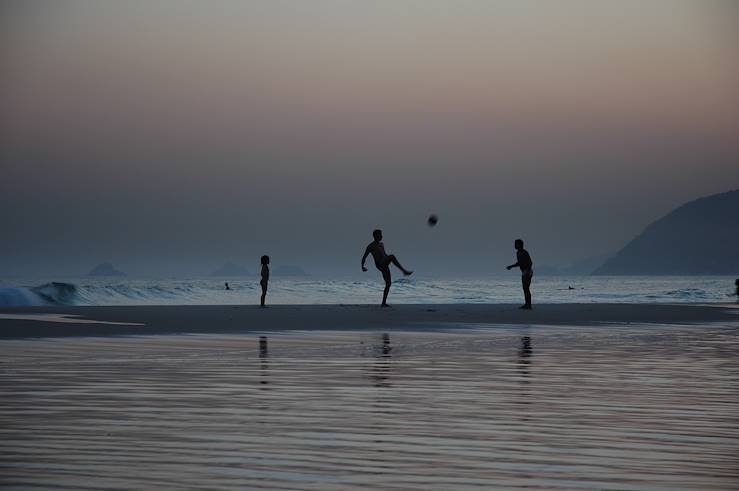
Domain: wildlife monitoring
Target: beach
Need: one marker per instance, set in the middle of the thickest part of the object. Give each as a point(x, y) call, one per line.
point(402, 399)
point(206, 209)
point(126, 320)
point(349, 397)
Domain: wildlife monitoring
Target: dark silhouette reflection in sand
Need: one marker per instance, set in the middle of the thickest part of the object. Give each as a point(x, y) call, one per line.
point(380, 370)
point(524, 370)
point(524, 361)
point(263, 364)
point(386, 348)
point(379, 374)
point(605, 407)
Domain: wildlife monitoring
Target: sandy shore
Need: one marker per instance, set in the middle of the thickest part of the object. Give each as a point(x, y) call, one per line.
point(544, 407)
point(415, 401)
point(122, 320)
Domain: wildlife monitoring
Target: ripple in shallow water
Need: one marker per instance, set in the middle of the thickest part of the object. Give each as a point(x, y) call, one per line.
point(535, 408)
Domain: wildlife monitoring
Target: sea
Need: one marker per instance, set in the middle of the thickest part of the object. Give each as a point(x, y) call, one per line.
point(17, 292)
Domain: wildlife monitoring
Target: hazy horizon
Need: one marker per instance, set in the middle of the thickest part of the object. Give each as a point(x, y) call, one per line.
point(169, 137)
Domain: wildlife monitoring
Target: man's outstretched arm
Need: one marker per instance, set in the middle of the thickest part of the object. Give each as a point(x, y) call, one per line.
point(513, 265)
point(364, 258)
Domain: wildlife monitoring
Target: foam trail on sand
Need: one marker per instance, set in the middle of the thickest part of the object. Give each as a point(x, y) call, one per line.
point(64, 319)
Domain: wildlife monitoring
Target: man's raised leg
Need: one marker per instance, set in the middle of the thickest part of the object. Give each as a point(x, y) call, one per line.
point(394, 260)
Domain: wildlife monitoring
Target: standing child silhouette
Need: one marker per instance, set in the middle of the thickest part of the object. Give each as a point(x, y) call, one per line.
point(265, 278)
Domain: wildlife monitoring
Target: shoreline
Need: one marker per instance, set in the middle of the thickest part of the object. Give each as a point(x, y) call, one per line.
point(66, 321)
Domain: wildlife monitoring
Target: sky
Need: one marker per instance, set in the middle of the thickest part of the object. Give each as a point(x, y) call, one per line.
point(169, 137)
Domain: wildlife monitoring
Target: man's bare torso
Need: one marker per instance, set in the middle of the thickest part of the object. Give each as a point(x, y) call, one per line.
point(377, 249)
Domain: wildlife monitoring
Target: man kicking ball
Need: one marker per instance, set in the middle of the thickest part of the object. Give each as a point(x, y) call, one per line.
point(382, 261)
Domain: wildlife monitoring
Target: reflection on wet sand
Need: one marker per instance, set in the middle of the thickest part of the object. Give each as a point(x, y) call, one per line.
point(524, 365)
point(263, 364)
point(524, 355)
point(380, 370)
point(560, 408)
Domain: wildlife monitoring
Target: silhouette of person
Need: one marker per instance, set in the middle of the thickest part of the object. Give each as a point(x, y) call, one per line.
point(227, 287)
point(382, 262)
point(265, 278)
point(523, 261)
point(737, 289)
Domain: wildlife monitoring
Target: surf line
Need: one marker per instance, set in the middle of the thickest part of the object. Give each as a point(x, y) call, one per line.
point(64, 318)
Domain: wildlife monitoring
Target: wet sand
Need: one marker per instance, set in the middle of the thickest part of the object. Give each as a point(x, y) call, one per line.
point(126, 320)
point(523, 407)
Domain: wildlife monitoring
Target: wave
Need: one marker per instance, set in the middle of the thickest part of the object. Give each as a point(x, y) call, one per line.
point(58, 293)
point(686, 293)
point(209, 291)
point(54, 293)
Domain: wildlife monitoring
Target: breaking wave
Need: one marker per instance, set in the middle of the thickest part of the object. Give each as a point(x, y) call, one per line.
point(53, 293)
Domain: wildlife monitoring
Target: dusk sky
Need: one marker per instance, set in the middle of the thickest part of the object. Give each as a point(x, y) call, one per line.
point(168, 137)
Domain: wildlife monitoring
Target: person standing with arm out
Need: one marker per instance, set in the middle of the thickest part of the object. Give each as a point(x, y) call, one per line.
point(523, 261)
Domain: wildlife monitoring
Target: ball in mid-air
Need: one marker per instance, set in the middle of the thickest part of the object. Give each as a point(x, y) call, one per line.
point(432, 221)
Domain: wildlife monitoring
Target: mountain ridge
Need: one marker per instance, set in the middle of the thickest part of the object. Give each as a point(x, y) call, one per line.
point(698, 237)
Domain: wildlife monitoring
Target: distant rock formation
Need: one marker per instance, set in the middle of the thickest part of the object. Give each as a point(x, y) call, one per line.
point(231, 269)
point(288, 270)
point(105, 269)
point(700, 237)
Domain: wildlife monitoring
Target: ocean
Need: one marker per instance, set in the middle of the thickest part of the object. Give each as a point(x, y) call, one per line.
point(308, 290)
